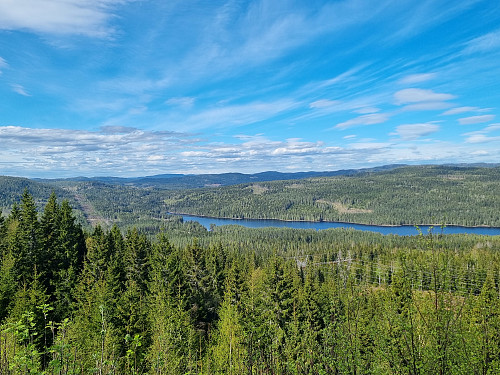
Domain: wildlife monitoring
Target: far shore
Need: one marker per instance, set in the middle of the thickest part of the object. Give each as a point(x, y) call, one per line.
point(437, 226)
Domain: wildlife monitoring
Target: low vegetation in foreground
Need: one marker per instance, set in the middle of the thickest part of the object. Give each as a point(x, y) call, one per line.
point(240, 301)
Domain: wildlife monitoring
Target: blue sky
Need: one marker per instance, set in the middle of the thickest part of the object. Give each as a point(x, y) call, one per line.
point(131, 88)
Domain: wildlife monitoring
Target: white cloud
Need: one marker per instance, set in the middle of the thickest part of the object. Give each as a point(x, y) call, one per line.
point(366, 110)
point(414, 131)
point(183, 102)
point(492, 127)
point(19, 89)
point(127, 151)
point(369, 119)
point(370, 145)
point(426, 106)
point(324, 103)
point(458, 110)
point(484, 43)
point(3, 64)
point(414, 95)
point(89, 17)
point(345, 76)
point(236, 115)
point(110, 150)
point(475, 119)
point(481, 138)
point(416, 78)
point(83, 140)
point(480, 153)
point(488, 129)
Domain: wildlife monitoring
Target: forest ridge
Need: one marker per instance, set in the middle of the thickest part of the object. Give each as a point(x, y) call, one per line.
point(459, 195)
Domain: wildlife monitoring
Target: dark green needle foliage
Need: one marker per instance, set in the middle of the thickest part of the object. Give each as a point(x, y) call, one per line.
point(236, 300)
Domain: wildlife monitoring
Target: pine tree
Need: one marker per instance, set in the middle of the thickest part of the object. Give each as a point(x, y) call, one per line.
point(29, 254)
point(50, 251)
point(93, 334)
point(228, 353)
point(485, 322)
point(131, 304)
point(8, 284)
point(173, 338)
point(70, 244)
point(3, 235)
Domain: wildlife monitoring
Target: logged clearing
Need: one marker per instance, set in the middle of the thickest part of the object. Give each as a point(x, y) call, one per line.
point(258, 189)
point(343, 209)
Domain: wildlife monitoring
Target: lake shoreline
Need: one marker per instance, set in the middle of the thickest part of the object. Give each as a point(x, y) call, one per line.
point(436, 226)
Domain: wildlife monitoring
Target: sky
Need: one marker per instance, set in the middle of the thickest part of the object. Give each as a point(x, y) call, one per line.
point(143, 87)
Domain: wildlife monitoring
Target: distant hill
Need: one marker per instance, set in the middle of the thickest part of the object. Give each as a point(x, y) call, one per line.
point(180, 181)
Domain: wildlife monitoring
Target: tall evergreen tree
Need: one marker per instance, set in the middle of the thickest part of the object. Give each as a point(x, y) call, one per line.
point(29, 255)
point(173, 337)
point(228, 353)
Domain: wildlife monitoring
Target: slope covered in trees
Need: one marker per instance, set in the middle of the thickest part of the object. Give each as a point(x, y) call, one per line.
point(410, 195)
point(238, 300)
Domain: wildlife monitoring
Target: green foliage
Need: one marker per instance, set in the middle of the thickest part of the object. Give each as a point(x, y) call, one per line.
point(460, 196)
point(237, 300)
point(456, 195)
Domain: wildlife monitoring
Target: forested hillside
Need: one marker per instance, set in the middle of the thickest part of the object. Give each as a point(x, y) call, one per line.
point(93, 202)
point(11, 191)
point(238, 301)
point(410, 195)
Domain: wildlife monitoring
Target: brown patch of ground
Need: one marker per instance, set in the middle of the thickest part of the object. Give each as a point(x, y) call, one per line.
point(88, 209)
point(343, 209)
point(258, 189)
point(453, 177)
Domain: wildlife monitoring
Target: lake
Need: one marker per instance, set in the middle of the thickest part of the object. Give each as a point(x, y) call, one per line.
point(403, 230)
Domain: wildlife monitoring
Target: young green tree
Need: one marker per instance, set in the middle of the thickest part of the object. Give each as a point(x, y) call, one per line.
point(28, 254)
point(228, 353)
point(173, 338)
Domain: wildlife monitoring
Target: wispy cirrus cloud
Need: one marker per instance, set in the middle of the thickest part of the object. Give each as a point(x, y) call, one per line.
point(183, 102)
point(459, 110)
point(427, 106)
point(369, 119)
point(90, 17)
point(235, 115)
point(367, 110)
point(475, 119)
point(409, 132)
point(415, 95)
point(481, 138)
point(19, 89)
point(324, 103)
point(416, 78)
point(3, 64)
point(484, 43)
point(424, 15)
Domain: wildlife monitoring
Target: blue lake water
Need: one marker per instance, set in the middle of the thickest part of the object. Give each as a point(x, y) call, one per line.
point(403, 230)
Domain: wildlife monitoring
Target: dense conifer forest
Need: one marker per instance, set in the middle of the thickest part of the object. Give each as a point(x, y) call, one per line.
point(408, 195)
point(460, 195)
point(241, 301)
